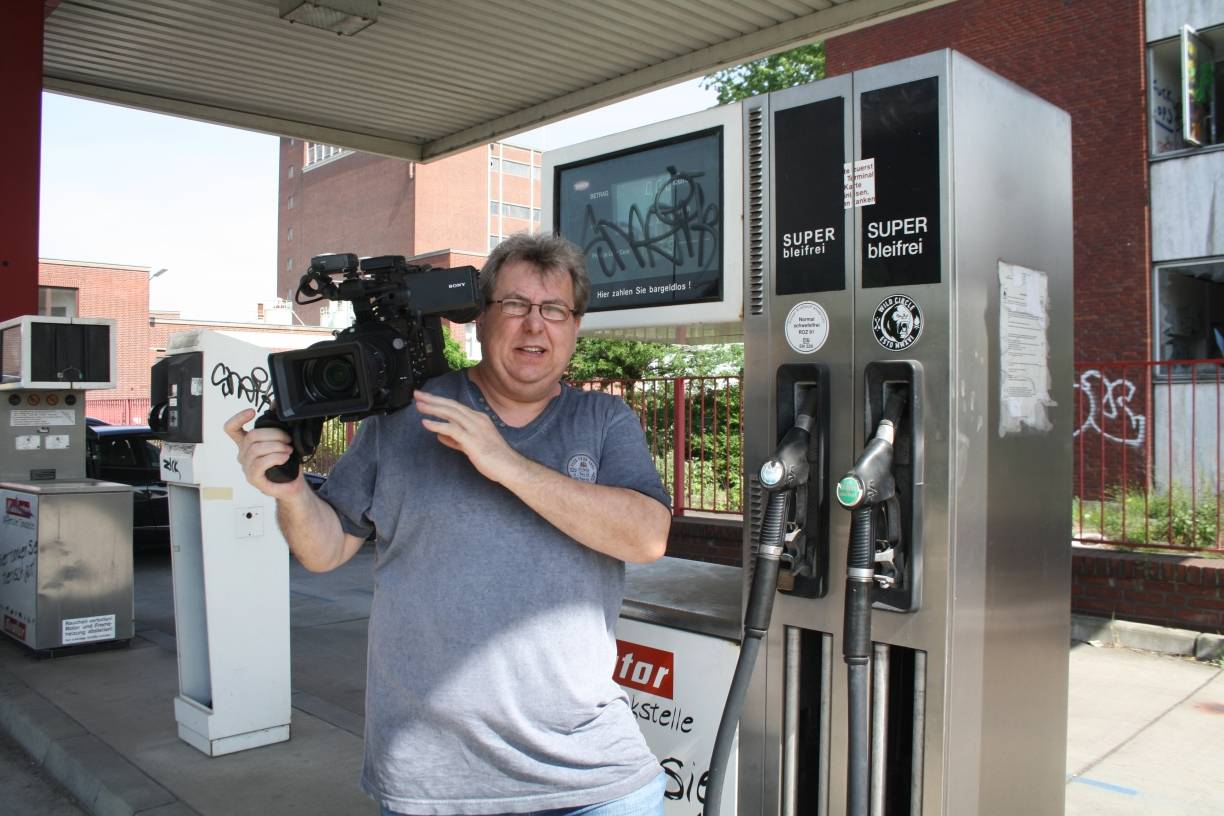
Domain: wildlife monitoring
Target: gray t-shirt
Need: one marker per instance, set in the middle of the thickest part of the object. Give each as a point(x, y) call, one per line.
point(491, 648)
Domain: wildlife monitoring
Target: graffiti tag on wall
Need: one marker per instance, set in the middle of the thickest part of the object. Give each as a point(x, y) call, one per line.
point(1109, 400)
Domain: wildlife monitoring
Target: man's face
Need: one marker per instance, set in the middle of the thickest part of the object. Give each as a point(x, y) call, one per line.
point(525, 355)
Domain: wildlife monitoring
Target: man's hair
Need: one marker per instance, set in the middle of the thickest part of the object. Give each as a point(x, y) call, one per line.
point(547, 253)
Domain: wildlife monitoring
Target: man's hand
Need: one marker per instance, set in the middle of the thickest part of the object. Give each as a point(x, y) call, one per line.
point(309, 524)
point(471, 433)
point(260, 449)
point(615, 521)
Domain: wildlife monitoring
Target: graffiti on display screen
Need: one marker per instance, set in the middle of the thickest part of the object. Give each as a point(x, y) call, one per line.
point(251, 387)
point(678, 227)
point(1106, 400)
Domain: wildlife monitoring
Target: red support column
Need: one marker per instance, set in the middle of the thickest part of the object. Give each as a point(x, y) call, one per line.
point(679, 444)
point(21, 62)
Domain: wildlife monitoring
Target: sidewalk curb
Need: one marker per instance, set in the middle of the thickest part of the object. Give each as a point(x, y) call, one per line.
point(97, 776)
point(1148, 638)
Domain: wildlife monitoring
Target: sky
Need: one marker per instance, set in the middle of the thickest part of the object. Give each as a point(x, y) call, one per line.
point(125, 186)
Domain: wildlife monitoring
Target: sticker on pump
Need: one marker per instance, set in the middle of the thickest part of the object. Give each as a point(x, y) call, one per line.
point(897, 322)
point(807, 327)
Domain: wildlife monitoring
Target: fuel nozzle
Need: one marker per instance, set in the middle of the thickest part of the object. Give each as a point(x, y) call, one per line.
point(870, 481)
point(787, 468)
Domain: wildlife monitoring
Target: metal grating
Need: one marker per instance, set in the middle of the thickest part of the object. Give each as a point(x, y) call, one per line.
point(756, 210)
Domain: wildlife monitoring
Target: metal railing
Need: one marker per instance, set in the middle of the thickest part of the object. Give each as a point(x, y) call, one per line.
point(118, 410)
point(1148, 448)
point(1148, 455)
point(693, 429)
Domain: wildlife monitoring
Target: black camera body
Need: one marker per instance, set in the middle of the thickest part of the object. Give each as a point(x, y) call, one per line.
point(395, 344)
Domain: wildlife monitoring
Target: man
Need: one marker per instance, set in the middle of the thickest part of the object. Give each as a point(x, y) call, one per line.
point(505, 504)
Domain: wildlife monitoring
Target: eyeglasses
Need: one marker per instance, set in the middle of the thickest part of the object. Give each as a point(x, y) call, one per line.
point(515, 307)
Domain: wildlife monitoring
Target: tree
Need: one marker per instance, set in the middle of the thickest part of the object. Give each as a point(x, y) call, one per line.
point(597, 358)
point(795, 67)
point(455, 358)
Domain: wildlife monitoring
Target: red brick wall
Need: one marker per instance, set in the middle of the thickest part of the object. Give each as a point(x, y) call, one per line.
point(452, 203)
point(373, 205)
point(357, 203)
point(1185, 593)
point(1087, 57)
point(118, 292)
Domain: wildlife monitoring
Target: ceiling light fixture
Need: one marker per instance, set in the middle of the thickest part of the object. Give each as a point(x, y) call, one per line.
point(344, 17)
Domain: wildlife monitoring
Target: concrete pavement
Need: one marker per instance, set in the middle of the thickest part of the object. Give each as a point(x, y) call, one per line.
point(1144, 733)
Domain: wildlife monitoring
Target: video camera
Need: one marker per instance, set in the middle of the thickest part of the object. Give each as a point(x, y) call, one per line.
point(395, 344)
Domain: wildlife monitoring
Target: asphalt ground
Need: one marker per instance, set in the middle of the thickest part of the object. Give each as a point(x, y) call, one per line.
point(1145, 728)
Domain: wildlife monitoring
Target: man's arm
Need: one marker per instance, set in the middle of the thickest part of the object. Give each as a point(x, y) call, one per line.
point(310, 525)
point(616, 521)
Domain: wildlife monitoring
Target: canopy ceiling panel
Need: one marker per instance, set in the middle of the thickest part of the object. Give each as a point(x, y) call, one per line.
point(426, 78)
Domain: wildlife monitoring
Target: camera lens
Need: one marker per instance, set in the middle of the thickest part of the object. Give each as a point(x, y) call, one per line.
point(330, 378)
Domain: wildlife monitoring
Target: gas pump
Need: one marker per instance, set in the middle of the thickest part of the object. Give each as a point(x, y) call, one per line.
point(65, 540)
point(914, 230)
point(906, 315)
point(229, 560)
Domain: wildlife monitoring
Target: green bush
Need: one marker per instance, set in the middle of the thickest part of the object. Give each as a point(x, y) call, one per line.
point(1163, 518)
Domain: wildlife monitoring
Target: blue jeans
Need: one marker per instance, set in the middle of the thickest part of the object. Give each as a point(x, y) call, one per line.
point(645, 801)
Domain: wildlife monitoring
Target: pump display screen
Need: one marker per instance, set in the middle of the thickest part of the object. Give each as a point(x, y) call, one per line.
point(650, 221)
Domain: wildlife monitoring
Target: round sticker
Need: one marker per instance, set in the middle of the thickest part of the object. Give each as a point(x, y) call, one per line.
point(807, 327)
point(849, 491)
point(897, 323)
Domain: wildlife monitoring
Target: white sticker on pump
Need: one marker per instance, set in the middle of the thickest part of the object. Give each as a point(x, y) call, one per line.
point(36, 418)
point(807, 327)
point(858, 183)
point(87, 630)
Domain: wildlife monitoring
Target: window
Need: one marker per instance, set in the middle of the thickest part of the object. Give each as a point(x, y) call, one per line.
point(1190, 310)
point(57, 301)
point(1167, 125)
point(471, 346)
point(289, 265)
point(493, 242)
point(289, 234)
point(493, 208)
point(291, 171)
point(513, 168)
point(318, 153)
point(516, 211)
point(535, 215)
point(291, 202)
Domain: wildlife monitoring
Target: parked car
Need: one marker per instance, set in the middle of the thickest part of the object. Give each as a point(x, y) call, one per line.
point(131, 454)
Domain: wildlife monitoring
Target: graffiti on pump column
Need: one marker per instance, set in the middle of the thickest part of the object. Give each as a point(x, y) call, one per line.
point(17, 564)
point(251, 387)
point(1115, 397)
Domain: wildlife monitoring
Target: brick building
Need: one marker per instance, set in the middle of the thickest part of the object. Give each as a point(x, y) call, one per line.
point(1149, 279)
point(336, 200)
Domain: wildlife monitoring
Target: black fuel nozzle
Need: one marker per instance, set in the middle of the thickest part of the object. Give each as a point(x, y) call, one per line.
point(788, 468)
point(870, 481)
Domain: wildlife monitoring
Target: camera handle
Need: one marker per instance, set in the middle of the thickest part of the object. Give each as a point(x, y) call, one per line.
point(305, 435)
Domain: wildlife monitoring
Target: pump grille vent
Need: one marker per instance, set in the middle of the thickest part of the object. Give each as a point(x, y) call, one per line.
point(756, 211)
point(756, 509)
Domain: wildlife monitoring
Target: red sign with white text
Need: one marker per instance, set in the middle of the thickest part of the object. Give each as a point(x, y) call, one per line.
point(645, 669)
point(18, 507)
